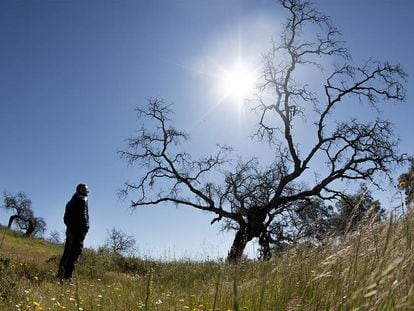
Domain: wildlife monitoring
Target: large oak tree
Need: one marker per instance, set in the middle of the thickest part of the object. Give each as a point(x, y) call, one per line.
point(250, 198)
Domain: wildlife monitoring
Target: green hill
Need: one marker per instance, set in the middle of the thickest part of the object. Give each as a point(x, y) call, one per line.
point(372, 270)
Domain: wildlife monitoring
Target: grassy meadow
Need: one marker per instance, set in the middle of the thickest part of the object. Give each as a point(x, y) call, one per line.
point(371, 270)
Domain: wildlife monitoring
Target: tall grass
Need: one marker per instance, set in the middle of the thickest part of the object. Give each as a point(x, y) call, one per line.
point(371, 270)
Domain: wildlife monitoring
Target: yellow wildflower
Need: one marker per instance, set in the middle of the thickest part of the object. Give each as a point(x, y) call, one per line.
point(402, 184)
point(37, 306)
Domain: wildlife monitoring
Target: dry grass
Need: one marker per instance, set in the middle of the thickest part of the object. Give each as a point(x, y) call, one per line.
point(372, 270)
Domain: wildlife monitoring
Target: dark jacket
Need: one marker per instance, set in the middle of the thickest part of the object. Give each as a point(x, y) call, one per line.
point(76, 214)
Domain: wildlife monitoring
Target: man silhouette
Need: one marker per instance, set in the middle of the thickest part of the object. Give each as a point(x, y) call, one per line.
point(77, 225)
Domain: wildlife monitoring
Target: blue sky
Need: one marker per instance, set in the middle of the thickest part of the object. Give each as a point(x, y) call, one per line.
point(71, 73)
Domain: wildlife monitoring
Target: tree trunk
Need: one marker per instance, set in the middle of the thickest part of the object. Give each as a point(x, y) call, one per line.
point(264, 242)
point(11, 219)
point(238, 246)
point(30, 229)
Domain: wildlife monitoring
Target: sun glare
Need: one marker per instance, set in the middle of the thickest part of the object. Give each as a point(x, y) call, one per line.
point(238, 83)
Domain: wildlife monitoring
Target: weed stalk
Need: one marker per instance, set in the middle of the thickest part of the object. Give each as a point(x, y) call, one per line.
point(216, 290)
point(77, 293)
point(149, 286)
point(235, 296)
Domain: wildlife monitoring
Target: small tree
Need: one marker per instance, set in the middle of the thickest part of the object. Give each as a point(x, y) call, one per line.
point(20, 204)
point(23, 216)
point(54, 237)
point(355, 210)
point(311, 220)
point(304, 221)
point(406, 183)
point(119, 242)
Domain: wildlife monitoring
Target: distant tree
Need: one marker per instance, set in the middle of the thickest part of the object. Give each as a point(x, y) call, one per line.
point(406, 183)
point(250, 198)
point(23, 216)
point(311, 220)
point(355, 210)
point(119, 242)
point(54, 237)
point(33, 226)
point(20, 204)
point(303, 221)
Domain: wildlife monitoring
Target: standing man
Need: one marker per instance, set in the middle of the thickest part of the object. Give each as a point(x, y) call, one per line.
point(77, 225)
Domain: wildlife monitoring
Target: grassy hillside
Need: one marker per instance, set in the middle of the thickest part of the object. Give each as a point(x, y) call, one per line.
point(373, 270)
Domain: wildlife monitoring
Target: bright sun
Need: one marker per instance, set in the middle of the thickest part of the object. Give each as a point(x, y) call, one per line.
point(238, 82)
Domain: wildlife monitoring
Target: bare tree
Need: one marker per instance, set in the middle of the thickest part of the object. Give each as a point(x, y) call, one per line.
point(33, 226)
point(19, 203)
point(119, 242)
point(252, 199)
point(23, 216)
point(54, 237)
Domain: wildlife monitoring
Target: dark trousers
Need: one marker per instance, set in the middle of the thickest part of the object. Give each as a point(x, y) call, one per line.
point(73, 248)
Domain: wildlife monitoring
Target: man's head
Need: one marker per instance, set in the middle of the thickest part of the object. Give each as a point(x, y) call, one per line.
point(82, 189)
